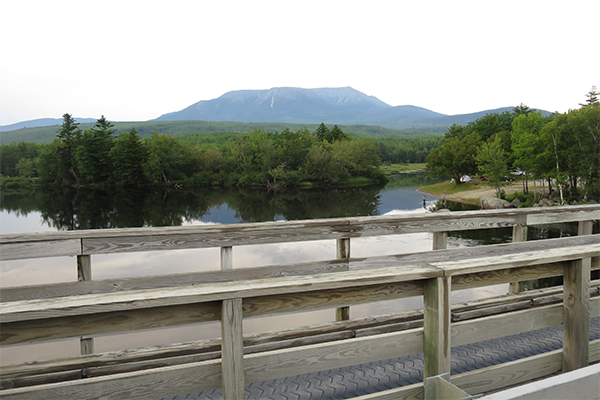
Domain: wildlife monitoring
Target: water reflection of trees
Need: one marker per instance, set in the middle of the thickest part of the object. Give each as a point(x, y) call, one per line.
point(69, 208)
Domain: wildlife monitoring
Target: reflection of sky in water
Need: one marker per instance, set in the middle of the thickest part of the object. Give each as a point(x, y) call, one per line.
point(60, 269)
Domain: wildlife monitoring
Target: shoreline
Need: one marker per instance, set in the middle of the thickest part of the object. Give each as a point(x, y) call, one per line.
point(472, 192)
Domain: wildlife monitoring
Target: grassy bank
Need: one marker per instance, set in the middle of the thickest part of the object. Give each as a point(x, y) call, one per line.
point(390, 169)
point(450, 188)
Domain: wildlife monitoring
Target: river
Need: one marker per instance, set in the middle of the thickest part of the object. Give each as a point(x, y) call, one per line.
point(38, 211)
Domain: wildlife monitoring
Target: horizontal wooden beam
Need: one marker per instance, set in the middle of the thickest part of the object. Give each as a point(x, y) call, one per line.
point(243, 274)
point(132, 300)
point(525, 259)
point(39, 249)
point(103, 241)
point(496, 326)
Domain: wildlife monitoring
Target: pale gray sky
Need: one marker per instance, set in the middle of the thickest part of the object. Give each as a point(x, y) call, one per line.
point(133, 60)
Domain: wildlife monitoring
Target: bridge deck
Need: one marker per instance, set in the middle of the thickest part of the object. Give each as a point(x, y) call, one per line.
point(358, 380)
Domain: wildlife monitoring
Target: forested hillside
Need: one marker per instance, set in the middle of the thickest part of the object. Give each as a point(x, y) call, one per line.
point(46, 134)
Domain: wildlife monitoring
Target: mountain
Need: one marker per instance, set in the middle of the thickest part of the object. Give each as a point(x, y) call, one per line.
point(34, 123)
point(345, 106)
point(235, 110)
point(297, 105)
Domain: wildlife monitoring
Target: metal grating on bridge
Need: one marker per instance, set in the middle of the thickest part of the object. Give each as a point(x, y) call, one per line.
point(358, 380)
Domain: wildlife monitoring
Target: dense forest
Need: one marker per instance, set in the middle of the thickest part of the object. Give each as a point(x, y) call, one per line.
point(99, 157)
point(562, 149)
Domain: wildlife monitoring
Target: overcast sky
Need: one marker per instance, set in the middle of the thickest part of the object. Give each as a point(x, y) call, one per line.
point(135, 60)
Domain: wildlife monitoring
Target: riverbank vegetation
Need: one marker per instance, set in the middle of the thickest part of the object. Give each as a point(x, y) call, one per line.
point(562, 150)
point(99, 157)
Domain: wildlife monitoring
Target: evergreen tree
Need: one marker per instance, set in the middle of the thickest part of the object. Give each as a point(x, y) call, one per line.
point(522, 109)
point(92, 155)
point(336, 134)
point(592, 97)
point(322, 132)
point(69, 136)
point(128, 156)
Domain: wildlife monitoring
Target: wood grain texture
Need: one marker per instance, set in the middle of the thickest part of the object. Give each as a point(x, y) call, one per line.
point(525, 259)
point(158, 281)
point(111, 302)
point(436, 326)
point(107, 323)
point(576, 314)
point(496, 326)
point(508, 374)
point(319, 357)
point(440, 240)
point(48, 248)
point(139, 385)
point(232, 358)
point(148, 239)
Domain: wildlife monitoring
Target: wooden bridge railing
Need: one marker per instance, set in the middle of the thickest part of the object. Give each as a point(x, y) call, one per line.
point(49, 312)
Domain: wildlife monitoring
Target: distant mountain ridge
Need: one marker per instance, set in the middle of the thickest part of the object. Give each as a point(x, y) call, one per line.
point(342, 106)
point(34, 123)
point(283, 104)
point(330, 105)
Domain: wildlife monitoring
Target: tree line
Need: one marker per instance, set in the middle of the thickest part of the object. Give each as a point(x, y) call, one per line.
point(326, 156)
point(562, 149)
point(97, 156)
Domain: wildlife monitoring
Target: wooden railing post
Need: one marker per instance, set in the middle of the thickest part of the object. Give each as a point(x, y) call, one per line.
point(342, 252)
point(519, 235)
point(232, 350)
point(84, 268)
point(436, 326)
point(227, 257)
point(576, 309)
point(84, 273)
point(440, 240)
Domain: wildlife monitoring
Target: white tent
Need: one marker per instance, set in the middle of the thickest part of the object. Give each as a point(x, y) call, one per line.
point(465, 178)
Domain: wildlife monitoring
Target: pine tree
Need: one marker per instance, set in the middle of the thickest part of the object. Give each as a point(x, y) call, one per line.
point(128, 155)
point(69, 136)
point(592, 97)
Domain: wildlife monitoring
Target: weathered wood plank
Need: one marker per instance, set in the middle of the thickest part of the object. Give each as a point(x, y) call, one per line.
point(524, 259)
point(519, 235)
point(440, 240)
point(564, 214)
point(286, 303)
point(511, 373)
point(496, 326)
point(436, 326)
point(139, 385)
point(135, 359)
point(227, 258)
point(84, 268)
point(107, 323)
point(242, 274)
point(122, 321)
point(488, 379)
point(409, 392)
point(165, 238)
point(232, 359)
point(342, 253)
point(66, 289)
point(318, 357)
point(576, 315)
point(110, 302)
point(49, 248)
point(507, 275)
